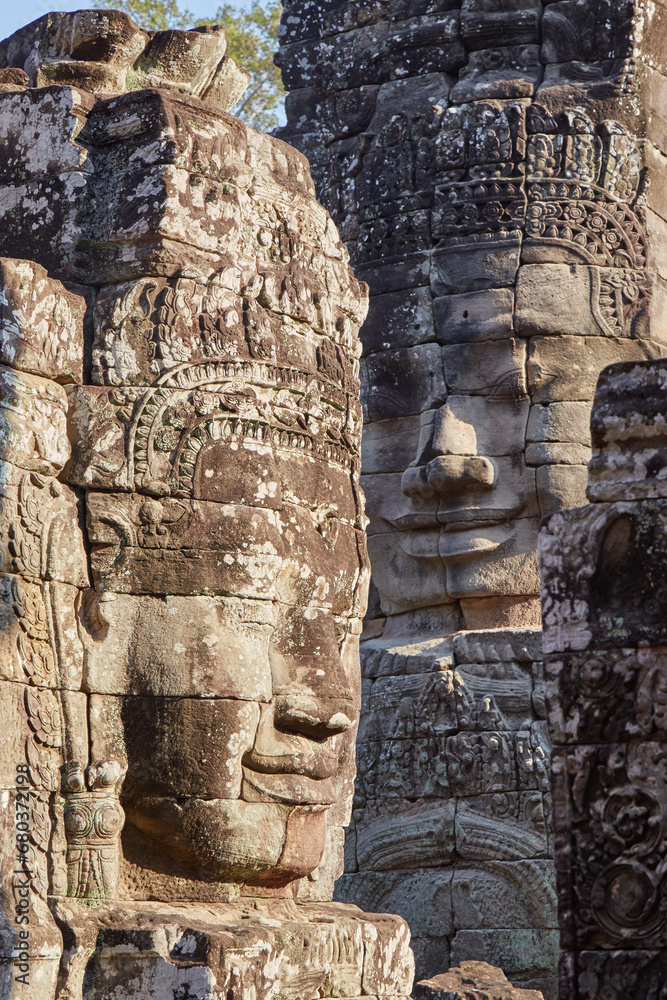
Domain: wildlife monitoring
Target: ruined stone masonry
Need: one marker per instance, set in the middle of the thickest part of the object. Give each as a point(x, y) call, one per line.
point(496, 170)
point(603, 597)
point(183, 568)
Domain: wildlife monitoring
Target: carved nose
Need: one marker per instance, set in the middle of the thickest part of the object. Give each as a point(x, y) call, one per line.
point(317, 718)
point(449, 474)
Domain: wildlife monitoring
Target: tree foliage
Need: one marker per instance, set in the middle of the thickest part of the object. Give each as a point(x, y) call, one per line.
point(252, 39)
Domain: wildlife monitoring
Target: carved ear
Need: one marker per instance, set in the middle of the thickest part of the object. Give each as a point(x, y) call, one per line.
point(122, 528)
point(90, 615)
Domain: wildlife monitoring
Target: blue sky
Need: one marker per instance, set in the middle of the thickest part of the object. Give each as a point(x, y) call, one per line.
point(14, 15)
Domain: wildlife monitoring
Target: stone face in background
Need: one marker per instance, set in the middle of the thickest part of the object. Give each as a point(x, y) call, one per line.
point(184, 569)
point(487, 163)
point(602, 569)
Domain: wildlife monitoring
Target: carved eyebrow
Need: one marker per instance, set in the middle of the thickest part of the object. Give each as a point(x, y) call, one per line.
point(506, 381)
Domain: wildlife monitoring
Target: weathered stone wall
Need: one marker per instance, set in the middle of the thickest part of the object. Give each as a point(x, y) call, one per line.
point(181, 536)
point(603, 596)
point(496, 171)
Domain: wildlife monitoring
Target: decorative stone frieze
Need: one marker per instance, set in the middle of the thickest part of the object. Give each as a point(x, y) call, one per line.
point(602, 570)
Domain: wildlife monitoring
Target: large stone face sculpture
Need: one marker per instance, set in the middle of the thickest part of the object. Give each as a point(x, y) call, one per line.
point(486, 163)
point(603, 594)
point(181, 533)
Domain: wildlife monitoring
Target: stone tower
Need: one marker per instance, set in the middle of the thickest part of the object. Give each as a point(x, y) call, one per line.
point(181, 536)
point(496, 171)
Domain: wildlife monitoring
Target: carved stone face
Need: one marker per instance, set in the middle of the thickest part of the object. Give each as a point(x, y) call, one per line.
point(213, 441)
point(238, 720)
point(478, 423)
point(240, 689)
point(239, 728)
point(469, 505)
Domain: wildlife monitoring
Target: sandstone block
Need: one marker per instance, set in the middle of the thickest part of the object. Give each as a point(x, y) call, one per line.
point(588, 863)
point(39, 219)
point(401, 655)
point(43, 978)
point(495, 369)
point(476, 264)
point(40, 533)
point(405, 583)
point(165, 441)
point(417, 93)
point(425, 895)
point(396, 773)
point(417, 836)
point(389, 504)
point(412, 271)
point(119, 728)
point(184, 61)
point(478, 977)
point(33, 430)
point(568, 421)
point(52, 115)
point(518, 833)
point(431, 955)
point(149, 546)
point(482, 26)
point(630, 695)
point(403, 382)
point(53, 50)
point(595, 967)
point(557, 453)
point(491, 645)
point(472, 316)
point(568, 368)
point(484, 762)
point(481, 425)
point(32, 734)
point(331, 867)
point(523, 892)
point(628, 434)
point(389, 445)
point(511, 568)
point(352, 65)
point(526, 950)
point(494, 696)
point(574, 620)
point(234, 945)
point(398, 319)
point(561, 486)
point(186, 547)
point(410, 706)
point(178, 646)
point(557, 299)
point(41, 323)
point(27, 653)
point(147, 329)
point(503, 72)
point(568, 35)
point(45, 44)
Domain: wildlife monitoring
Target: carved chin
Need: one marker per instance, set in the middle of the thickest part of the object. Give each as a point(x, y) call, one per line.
point(226, 840)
